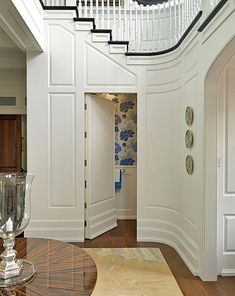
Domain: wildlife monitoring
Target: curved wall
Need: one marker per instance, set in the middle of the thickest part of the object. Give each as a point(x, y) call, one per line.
point(174, 207)
point(170, 205)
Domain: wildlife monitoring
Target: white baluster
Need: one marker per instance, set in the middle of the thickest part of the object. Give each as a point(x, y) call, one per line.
point(141, 27)
point(119, 20)
point(97, 14)
point(195, 10)
point(131, 24)
point(186, 13)
point(177, 31)
point(108, 15)
point(85, 8)
point(147, 27)
point(136, 26)
point(159, 26)
point(91, 8)
point(125, 21)
point(170, 22)
point(102, 14)
point(176, 28)
point(165, 25)
point(114, 20)
point(80, 8)
point(153, 26)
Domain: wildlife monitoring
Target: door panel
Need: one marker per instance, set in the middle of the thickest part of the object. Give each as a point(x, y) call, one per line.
point(226, 173)
point(10, 143)
point(100, 191)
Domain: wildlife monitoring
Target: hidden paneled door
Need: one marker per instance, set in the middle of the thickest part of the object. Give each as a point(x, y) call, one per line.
point(100, 191)
point(10, 143)
point(226, 172)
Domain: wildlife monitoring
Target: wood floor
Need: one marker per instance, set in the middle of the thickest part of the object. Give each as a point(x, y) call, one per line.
point(125, 236)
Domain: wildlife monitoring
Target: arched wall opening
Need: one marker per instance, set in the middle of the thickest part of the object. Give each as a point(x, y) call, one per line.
point(210, 159)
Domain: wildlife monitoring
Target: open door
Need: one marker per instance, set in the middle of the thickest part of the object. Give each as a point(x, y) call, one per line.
point(10, 143)
point(100, 213)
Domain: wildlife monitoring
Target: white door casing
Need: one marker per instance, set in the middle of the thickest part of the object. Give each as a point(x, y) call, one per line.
point(99, 171)
point(226, 172)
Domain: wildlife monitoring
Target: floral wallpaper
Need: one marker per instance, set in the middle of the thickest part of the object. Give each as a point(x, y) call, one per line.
point(125, 128)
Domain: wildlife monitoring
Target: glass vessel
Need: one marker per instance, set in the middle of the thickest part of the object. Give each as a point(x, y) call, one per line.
point(15, 210)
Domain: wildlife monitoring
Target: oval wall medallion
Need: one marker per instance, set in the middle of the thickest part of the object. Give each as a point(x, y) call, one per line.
point(189, 164)
point(189, 139)
point(189, 115)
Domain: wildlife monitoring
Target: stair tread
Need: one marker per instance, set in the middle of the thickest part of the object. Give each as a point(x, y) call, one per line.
point(84, 19)
point(118, 42)
point(101, 31)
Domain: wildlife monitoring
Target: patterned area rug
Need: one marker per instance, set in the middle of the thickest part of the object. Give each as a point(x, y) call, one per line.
point(133, 272)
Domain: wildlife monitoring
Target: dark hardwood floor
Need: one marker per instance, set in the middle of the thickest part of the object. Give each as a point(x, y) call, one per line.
point(125, 236)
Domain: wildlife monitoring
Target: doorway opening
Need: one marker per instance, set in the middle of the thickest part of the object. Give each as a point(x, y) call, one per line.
point(219, 221)
point(110, 161)
point(226, 170)
point(13, 133)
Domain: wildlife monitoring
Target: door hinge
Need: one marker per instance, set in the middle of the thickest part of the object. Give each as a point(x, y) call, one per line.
point(85, 184)
point(85, 135)
point(85, 205)
point(85, 223)
point(85, 162)
point(85, 106)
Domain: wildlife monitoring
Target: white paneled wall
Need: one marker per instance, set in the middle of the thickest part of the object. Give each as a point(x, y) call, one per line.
point(172, 206)
point(57, 206)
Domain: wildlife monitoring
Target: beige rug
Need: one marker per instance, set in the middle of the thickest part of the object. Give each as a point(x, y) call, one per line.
point(133, 272)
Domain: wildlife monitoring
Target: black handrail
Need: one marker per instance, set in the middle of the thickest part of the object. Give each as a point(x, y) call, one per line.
point(212, 15)
point(171, 48)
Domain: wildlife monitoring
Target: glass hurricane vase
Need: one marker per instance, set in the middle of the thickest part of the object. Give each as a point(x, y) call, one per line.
point(15, 210)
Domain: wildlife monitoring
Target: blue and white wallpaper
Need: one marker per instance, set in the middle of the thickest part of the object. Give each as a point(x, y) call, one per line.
point(125, 128)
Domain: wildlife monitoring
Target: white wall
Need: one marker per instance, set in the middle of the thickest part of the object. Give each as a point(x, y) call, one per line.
point(23, 22)
point(173, 207)
point(12, 75)
point(126, 197)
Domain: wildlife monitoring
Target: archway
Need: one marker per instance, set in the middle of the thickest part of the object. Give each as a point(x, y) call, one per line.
point(210, 160)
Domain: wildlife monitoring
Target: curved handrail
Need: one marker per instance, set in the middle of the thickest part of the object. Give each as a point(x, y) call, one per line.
point(212, 15)
point(196, 19)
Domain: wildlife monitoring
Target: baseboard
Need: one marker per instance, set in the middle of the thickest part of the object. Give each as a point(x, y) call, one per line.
point(98, 233)
point(126, 217)
point(63, 230)
point(228, 272)
point(125, 214)
point(154, 230)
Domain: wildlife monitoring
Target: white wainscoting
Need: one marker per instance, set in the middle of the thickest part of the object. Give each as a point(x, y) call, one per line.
point(126, 197)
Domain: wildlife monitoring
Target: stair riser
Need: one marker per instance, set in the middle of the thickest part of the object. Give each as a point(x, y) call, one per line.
point(118, 48)
point(100, 37)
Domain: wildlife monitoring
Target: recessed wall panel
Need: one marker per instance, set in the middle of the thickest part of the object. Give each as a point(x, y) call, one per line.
point(164, 75)
point(61, 56)
point(163, 145)
point(230, 136)
point(229, 237)
point(62, 149)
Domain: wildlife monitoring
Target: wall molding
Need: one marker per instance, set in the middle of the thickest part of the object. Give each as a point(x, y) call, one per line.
point(171, 234)
point(69, 230)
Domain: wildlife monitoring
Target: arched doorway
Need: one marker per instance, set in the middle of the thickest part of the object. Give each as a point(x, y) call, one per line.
point(210, 155)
